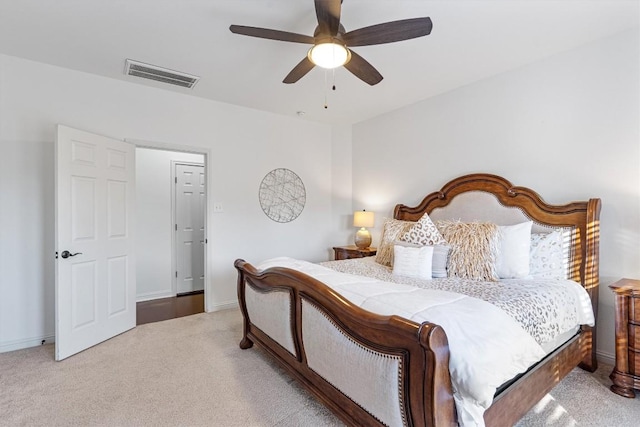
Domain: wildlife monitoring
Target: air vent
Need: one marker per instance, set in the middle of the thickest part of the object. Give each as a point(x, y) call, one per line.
point(151, 72)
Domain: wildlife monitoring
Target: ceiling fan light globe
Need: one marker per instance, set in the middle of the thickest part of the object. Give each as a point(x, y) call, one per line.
point(329, 55)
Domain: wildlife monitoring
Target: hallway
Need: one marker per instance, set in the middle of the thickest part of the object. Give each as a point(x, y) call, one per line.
point(169, 308)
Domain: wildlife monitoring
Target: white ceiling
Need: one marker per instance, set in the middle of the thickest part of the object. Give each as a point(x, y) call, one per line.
point(471, 40)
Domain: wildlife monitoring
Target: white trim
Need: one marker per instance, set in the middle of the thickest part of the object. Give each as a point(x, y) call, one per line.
point(208, 283)
point(26, 343)
point(606, 357)
point(223, 306)
point(154, 295)
point(169, 146)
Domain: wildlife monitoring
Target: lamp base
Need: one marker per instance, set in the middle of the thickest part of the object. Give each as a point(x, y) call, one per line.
point(363, 238)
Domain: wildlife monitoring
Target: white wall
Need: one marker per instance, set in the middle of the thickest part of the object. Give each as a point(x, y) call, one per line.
point(341, 159)
point(154, 230)
point(244, 145)
point(567, 126)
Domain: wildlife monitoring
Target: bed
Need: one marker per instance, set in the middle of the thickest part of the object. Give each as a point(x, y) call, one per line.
point(386, 369)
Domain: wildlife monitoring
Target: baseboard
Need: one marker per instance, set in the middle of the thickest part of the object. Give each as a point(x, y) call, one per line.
point(605, 357)
point(223, 306)
point(27, 343)
point(153, 295)
point(33, 342)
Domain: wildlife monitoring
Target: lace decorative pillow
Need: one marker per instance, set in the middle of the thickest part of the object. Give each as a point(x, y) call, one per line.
point(391, 231)
point(547, 259)
point(424, 232)
point(474, 249)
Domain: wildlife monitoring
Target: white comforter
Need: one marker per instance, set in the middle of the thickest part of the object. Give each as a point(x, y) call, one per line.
point(480, 359)
point(544, 307)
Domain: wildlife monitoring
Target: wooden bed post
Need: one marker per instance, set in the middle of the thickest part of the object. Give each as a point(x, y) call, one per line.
point(591, 278)
point(245, 343)
point(439, 406)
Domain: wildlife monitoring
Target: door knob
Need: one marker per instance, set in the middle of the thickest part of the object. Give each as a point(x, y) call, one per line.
point(67, 254)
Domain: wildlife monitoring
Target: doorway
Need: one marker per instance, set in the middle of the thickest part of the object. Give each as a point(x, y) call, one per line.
point(170, 251)
point(97, 226)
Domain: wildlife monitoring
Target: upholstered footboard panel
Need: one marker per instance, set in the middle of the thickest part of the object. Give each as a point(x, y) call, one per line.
point(370, 378)
point(271, 312)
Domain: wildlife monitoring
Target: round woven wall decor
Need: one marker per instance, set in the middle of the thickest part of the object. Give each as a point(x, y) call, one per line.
point(282, 195)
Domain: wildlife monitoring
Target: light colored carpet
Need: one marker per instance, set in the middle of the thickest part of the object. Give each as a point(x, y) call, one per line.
point(191, 372)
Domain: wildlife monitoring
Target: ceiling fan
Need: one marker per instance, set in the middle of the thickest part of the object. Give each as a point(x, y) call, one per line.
point(332, 43)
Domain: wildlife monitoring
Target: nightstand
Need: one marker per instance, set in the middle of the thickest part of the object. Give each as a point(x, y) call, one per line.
point(352, 251)
point(626, 374)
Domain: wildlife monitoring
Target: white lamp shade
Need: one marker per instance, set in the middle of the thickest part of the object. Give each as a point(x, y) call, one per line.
point(329, 55)
point(363, 219)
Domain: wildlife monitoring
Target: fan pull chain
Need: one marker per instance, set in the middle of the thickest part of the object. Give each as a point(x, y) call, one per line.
point(326, 85)
point(326, 105)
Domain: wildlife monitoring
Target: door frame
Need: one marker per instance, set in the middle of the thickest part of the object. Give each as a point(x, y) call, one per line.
point(174, 243)
point(208, 284)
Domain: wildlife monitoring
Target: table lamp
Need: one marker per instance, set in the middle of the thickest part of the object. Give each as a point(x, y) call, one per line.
point(363, 219)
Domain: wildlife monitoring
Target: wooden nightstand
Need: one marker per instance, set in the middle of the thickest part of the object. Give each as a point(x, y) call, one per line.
point(352, 251)
point(626, 374)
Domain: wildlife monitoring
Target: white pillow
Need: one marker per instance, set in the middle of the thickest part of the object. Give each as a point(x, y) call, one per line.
point(512, 261)
point(439, 260)
point(412, 262)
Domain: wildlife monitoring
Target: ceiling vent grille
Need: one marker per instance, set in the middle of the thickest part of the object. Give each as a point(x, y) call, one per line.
point(164, 75)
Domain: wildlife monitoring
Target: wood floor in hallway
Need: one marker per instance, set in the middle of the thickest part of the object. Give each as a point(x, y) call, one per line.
point(169, 308)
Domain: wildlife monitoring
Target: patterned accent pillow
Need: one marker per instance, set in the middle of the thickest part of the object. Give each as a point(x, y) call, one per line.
point(424, 232)
point(547, 258)
point(391, 231)
point(474, 249)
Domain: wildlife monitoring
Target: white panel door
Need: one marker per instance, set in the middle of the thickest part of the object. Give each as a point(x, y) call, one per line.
point(95, 265)
point(190, 207)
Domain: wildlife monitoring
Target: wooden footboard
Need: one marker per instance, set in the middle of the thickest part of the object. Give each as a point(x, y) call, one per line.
point(411, 385)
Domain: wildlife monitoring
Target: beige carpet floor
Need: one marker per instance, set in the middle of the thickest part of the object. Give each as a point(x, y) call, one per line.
point(190, 372)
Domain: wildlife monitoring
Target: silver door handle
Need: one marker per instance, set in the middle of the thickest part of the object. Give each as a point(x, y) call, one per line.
point(67, 254)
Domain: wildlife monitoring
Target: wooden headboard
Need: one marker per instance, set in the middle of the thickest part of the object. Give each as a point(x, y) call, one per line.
point(581, 219)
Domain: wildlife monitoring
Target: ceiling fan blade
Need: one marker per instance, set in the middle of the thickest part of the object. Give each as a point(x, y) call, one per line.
point(360, 68)
point(266, 33)
point(328, 13)
point(299, 71)
point(389, 32)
